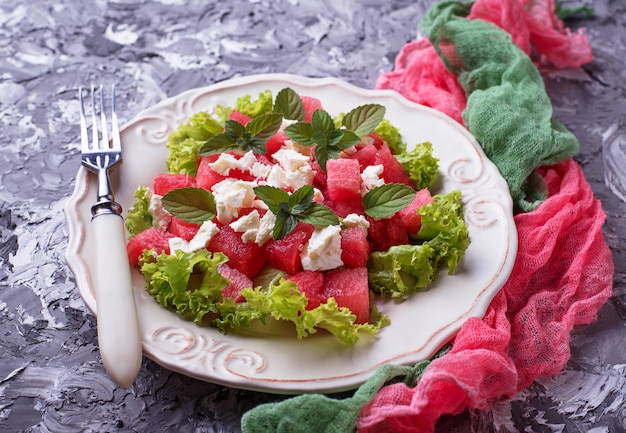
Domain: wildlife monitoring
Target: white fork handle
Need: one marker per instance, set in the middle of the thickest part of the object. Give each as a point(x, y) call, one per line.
point(118, 326)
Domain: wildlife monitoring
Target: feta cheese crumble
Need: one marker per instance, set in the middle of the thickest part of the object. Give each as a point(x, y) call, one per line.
point(323, 250)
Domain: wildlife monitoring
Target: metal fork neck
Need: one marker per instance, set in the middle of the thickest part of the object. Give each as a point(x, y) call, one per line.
point(106, 203)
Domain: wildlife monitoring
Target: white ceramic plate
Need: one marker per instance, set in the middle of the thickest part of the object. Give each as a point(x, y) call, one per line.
point(282, 364)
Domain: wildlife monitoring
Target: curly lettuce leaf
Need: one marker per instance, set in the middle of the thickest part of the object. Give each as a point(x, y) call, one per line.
point(282, 300)
point(402, 269)
point(138, 217)
point(185, 142)
point(444, 228)
point(262, 105)
point(420, 164)
point(443, 237)
point(187, 283)
point(391, 135)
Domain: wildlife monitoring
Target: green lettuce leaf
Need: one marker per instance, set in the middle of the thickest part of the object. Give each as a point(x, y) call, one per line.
point(187, 283)
point(420, 164)
point(443, 240)
point(402, 269)
point(282, 300)
point(391, 135)
point(262, 105)
point(444, 228)
point(138, 217)
point(185, 142)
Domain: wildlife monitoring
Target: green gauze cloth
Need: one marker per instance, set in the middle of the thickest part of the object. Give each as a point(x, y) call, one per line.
point(322, 414)
point(508, 109)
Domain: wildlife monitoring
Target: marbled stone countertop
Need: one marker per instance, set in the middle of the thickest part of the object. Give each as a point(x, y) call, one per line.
point(51, 378)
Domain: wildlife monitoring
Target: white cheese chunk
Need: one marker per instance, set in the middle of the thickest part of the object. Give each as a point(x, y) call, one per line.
point(207, 230)
point(231, 195)
point(323, 250)
point(370, 178)
point(177, 243)
point(356, 220)
point(248, 225)
point(290, 160)
point(160, 216)
point(266, 228)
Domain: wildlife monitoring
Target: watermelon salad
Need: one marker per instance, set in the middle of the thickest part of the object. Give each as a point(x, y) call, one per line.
point(273, 209)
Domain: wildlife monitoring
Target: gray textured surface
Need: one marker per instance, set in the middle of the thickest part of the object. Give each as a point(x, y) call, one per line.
point(51, 379)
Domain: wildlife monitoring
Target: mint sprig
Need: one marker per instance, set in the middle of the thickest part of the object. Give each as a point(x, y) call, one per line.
point(193, 205)
point(293, 208)
point(289, 104)
point(385, 200)
point(249, 137)
point(329, 140)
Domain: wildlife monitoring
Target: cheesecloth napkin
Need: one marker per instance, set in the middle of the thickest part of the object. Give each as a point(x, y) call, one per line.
point(487, 79)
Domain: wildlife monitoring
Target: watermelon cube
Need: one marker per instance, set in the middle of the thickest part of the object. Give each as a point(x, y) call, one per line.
point(246, 257)
point(349, 288)
point(284, 254)
point(238, 116)
point(206, 176)
point(311, 284)
point(275, 142)
point(343, 179)
point(343, 208)
point(310, 105)
point(393, 171)
point(164, 183)
point(411, 220)
point(151, 238)
point(366, 155)
point(355, 249)
point(238, 282)
point(182, 229)
point(387, 232)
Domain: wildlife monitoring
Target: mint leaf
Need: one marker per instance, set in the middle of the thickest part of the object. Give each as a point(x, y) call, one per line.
point(284, 225)
point(219, 143)
point(289, 104)
point(234, 130)
point(271, 196)
point(322, 122)
point(193, 205)
point(319, 215)
point(301, 199)
point(265, 126)
point(385, 200)
point(301, 133)
point(289, 209)
point(364, 119)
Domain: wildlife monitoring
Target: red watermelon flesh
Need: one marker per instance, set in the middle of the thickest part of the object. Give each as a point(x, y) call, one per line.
point(355, 249)
point(182, 229)
point(311, 284)
point(206, 176)
point(238, 282)
point(411, 220)
point(239, 117)
point(284, 254)
point(164, 183)
point(350, 289)
point(343, 208)
point(151, 238)
point(246, 257)
point(310, 105)
point(385, 233)
point(366, 155)
point(393, 171)
point(343, 179)
point(275, 142)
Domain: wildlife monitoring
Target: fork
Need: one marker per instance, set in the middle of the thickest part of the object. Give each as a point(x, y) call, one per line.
point(118, 325)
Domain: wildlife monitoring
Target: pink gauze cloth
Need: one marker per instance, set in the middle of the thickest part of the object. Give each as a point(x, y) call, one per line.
point(563, 270)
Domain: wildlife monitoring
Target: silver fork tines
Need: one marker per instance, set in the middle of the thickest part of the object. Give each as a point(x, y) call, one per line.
point(101, 154)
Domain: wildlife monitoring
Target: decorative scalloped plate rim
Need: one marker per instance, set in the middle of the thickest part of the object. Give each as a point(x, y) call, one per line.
point(281, 363)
